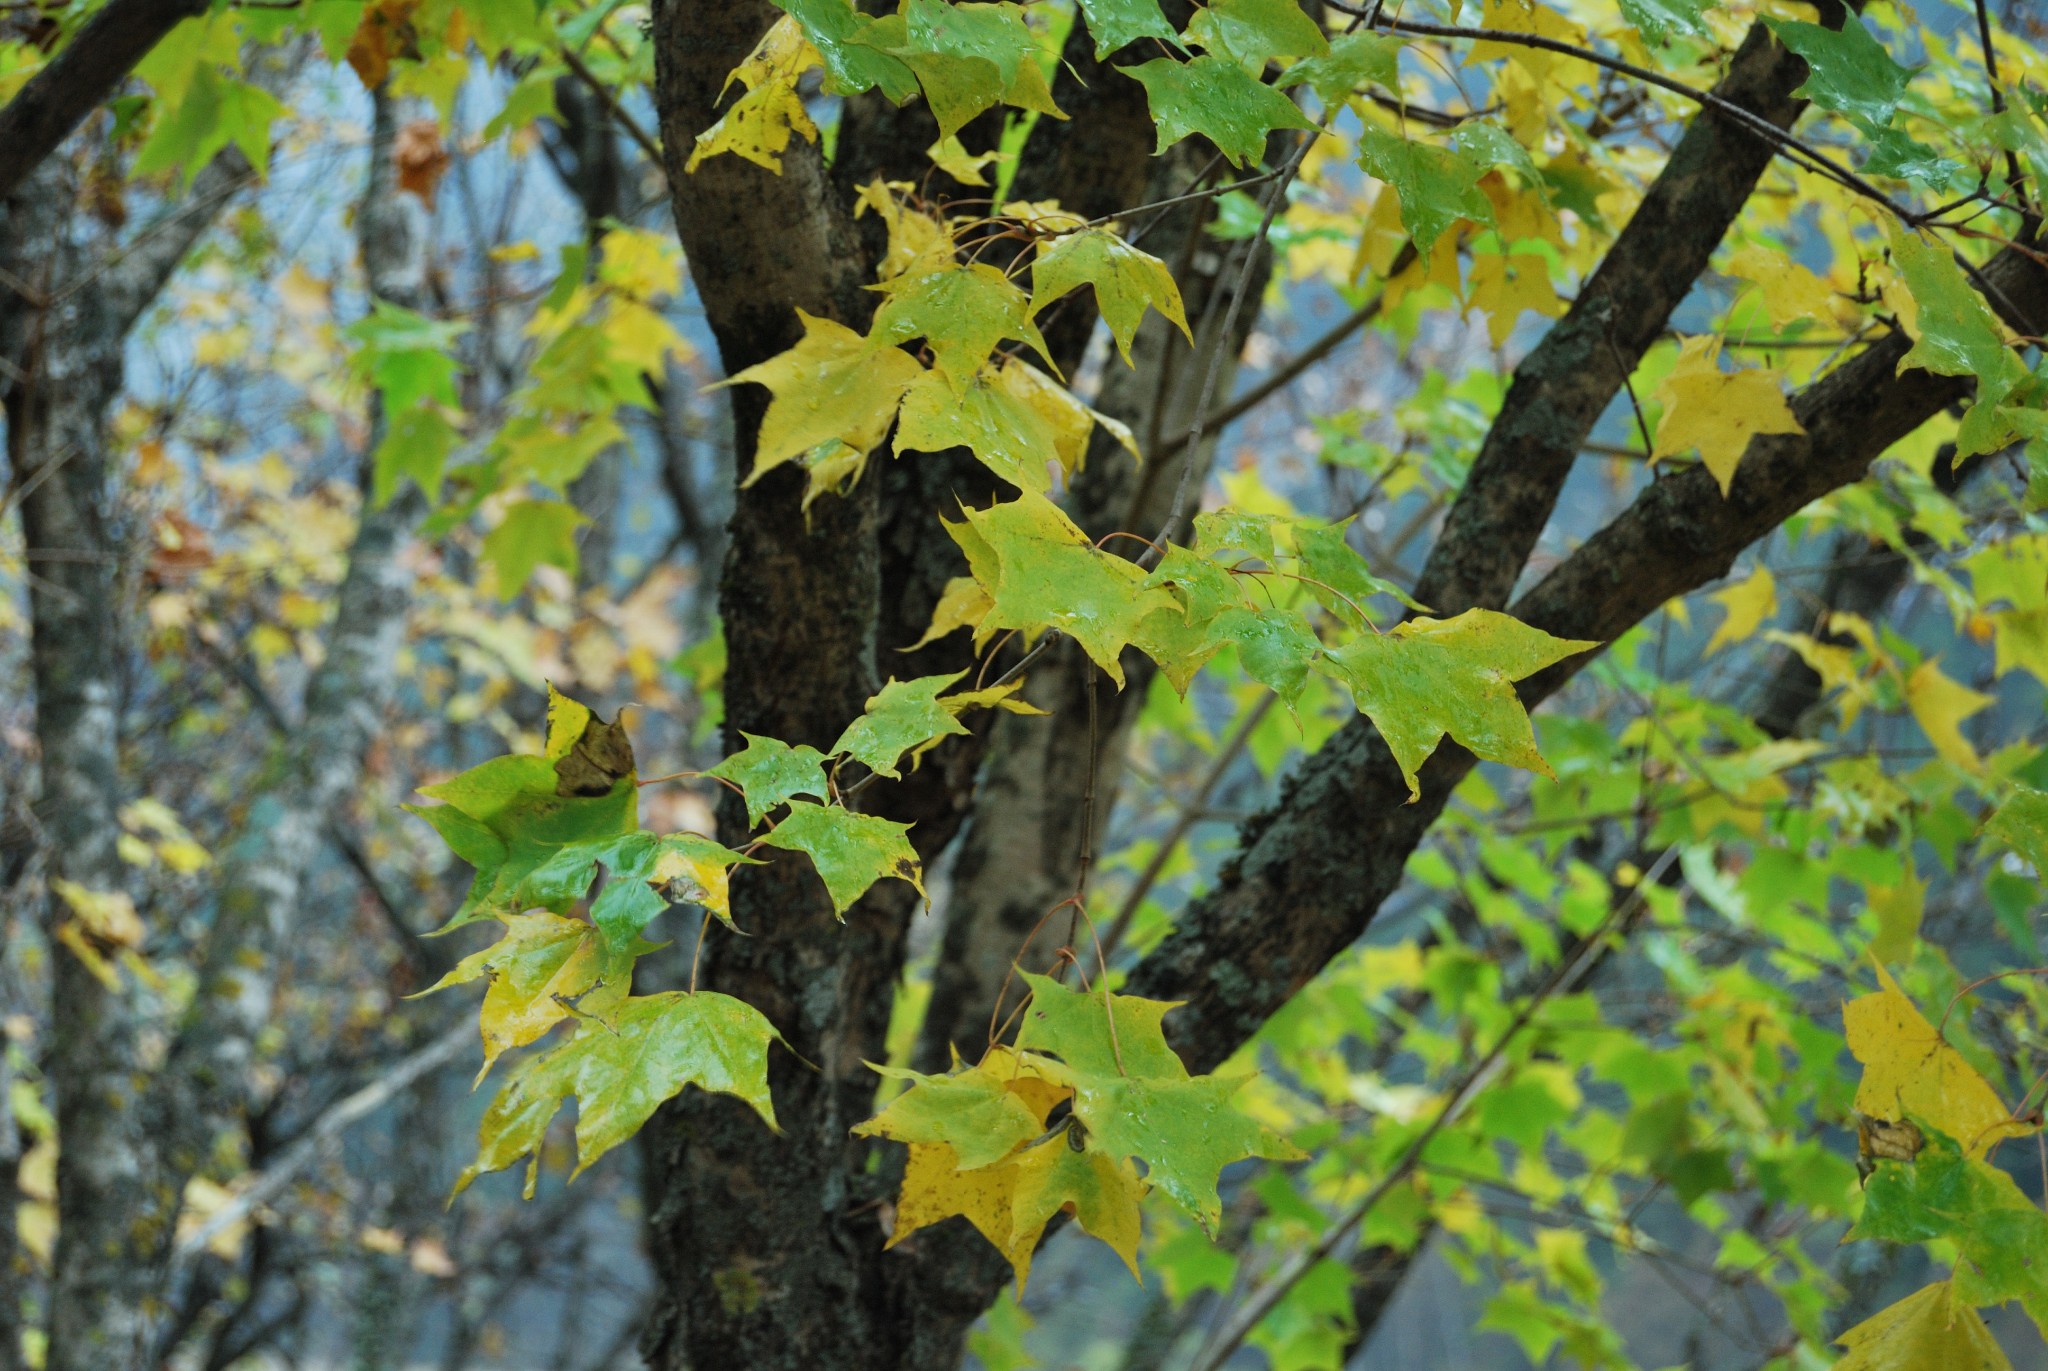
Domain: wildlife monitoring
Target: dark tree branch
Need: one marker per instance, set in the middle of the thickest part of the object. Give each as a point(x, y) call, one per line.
point(79, 78)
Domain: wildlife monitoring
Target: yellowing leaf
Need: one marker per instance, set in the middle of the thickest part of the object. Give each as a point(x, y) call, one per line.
point(1041, 572)
point(1926, 1331)
point(1125, 280)
point(1749, 603)
point(542, 961)
point(1007, 436)
point(1717, 411)
point(1101, 1191)
point(758, 125)
point(1428, 677)
point(851, 851)
point(1789, 292)
point(905, 716)
point(918, 242)
point(1505, 284)
point(1910, 1073)
point(934, 1188)
point(962, 604)
point(832, 385)
point(973, 1112)
point(960, 312)
point(621, 1072)
point(1940, 705)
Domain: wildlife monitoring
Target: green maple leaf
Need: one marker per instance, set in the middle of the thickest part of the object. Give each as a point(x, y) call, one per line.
point(416, 446)
point(769, 772)
point(2001, 1237)
point(1041, 572)
point(1657, 20)
point(1353, 60)
point(1274, 646)
point(1215, 97)
point(962, 313)
point(1339, 578)
point(2021, 823)
point(1429, 677)
point(1437, 186)
point(1125, 281)
point(635, 863)
point(1956, 334)
point(1848, 70)
point(407, 356)
point(506, 819)
point(621, 1072)
point(1135, 1097)
point(530, 535)
point(851, 65)
point(1255, 32)
point(1006, 435)
point(972, 1111)
point(967, 58)
point(1205, 589)
point(1116, 23)
point(1103, 1192)
point(1075, 1026)
point(905, 716)
point(851, 851)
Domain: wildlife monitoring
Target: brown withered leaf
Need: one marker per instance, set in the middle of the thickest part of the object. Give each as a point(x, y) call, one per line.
point(421, 158)
point(600, 759)
point(385, 33)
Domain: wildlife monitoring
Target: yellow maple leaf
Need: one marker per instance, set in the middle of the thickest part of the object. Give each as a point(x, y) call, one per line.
point(1910, 1072)
point(1926, 1331)
point(831, 386)
point(759, 124)
point(1749, 602)
point(1505, 284)
point(1790, 292)
point(935, 1188)
point(1718, 411)
point(1941, 705)
point(1102, 1191)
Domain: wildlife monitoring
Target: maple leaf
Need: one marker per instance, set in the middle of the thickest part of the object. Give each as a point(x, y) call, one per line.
point(1789, 293)
point(1215, 97)
point(1041, 572)
point(1940, 705)
point(507, 817)
point(1254, 32)
point(905, 716)
point(2022, 824)
point(1929, 1330)
point(934, 1188)
point(1135, 1097)
point(1909, 1072)
point(1008, 436)
point(542, 961)
point(1504, 284)
point(961, 312)
point(1718, 411)
point(1749, 603)
point(834, 385)
point(1125, 279)
point(1848, 70)
point(835, 29)
point(759, 125)
point(850, 851)
point(622, 1071)
point(1352, 60)
point(1101, 1191)
point(1437, 187)
point(769, 772)
point(962, 604)
point(1115, 23)
point(974, 1112)
point(1430, 677)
